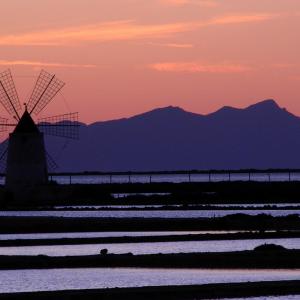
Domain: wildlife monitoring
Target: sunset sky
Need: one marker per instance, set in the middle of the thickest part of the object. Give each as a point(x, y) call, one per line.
point(123, 57)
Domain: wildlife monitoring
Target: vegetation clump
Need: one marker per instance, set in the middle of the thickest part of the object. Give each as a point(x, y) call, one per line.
point(103, 251)
point(269, 247)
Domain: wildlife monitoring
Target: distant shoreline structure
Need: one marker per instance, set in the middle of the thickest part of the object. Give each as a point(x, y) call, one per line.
point(179, 176)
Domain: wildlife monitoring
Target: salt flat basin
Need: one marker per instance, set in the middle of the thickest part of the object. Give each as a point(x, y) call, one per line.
point(149, 248)
point(147, 214)
point(59, 235)
point(82, 278)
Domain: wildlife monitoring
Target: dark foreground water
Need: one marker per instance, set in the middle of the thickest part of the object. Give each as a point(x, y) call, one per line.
point(149, 248)
point(60, 279)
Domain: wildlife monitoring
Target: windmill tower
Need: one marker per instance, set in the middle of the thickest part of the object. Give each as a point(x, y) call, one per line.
point(26, 159)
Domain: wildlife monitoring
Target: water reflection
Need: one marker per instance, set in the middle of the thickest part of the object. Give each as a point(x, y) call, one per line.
point(148, 248)
point(147, 213)
point(61, 279)
point(59, 235)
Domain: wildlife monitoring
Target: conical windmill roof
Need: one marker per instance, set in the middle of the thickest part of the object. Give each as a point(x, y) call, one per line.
point(26, 124)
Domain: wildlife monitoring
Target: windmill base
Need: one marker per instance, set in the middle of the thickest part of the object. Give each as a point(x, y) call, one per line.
point(26, 162)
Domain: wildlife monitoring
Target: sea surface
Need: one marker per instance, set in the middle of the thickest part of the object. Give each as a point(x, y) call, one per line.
point(61, 279)
point(148, 248)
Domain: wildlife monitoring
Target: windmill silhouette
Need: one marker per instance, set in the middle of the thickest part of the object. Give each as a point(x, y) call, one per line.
point(25, 159)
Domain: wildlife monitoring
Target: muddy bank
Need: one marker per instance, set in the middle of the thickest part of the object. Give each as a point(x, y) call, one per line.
point(231, 222)
point(179, 193)
point(255, 259)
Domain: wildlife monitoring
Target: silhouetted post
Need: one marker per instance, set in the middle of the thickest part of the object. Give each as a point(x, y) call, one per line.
point(289, 175)
point(209, 177)
point(249, 176)
point(189, 177)
point(150, 178)
point(70, 179)
point(269, 175)
point(129, 178)
point(229, 176)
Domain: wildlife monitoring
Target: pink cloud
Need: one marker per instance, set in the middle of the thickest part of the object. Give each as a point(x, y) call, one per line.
point(121, 30)
point(203, 3)
point(197, 67)
point(41, 64)
point(173, 45)
point(237, 19)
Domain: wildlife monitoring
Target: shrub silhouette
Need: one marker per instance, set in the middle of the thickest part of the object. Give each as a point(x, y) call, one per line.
point(103, 251)
point(269, 247)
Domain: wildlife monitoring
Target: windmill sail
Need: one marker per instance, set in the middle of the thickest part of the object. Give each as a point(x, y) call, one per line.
point(23, 157)
point(51, 164)
point(65, 125)
point(3, 156)
point(3, 124)
point(46, 87)
point(8, 94)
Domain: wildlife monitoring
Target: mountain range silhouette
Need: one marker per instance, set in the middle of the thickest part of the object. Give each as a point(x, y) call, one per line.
point(260, 136)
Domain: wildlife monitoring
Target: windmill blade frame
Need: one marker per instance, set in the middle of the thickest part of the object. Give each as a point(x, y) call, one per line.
point(3, 124)
point(51, 164)
point(3, 156)
point(8, 94)
point(45, 89)
point(65, 125)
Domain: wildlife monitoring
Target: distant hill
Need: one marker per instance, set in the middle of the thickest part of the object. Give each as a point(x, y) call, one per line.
point(262, 135)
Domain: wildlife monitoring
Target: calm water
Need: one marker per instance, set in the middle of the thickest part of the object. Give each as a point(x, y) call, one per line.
point(149, 248)
point(176, 178)
point(61, 279)
point(148, 214)
point(60, 235)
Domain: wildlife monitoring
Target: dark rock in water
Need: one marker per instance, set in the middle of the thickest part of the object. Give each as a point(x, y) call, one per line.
point(269, 247)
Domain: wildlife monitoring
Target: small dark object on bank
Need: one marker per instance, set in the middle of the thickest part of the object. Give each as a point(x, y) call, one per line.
point(269, 247)
point(103, 251)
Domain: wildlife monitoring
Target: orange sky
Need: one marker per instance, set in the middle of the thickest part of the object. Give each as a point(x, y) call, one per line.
point(123, 57)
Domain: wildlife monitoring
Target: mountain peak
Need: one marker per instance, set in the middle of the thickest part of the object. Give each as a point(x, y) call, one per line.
point(169, 108)
point(163, 113)
point(268, 104)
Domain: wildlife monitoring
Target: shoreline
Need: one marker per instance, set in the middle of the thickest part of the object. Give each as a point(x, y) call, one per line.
point(179, 193)
point(248, 259)
point(260, 223)
point(188, 292)
point(170, 207)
